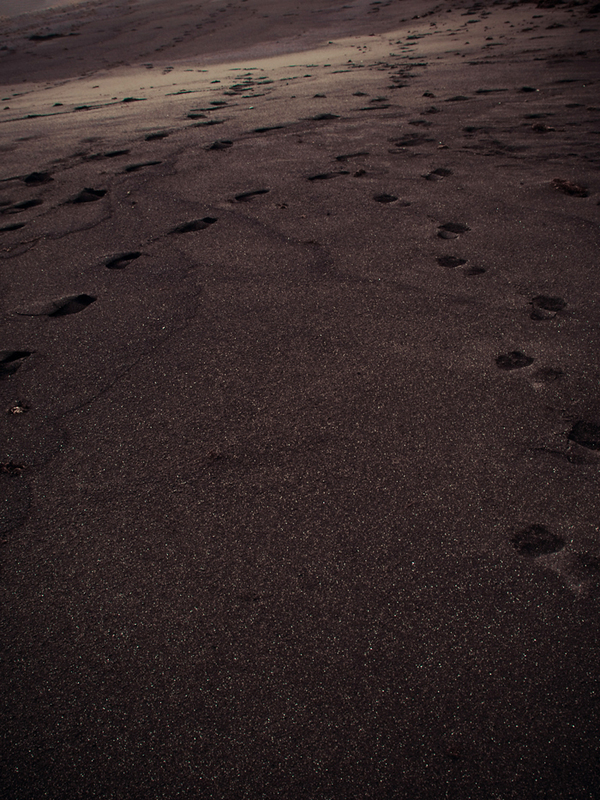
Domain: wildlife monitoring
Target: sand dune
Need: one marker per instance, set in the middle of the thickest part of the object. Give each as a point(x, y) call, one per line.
point(299, 379)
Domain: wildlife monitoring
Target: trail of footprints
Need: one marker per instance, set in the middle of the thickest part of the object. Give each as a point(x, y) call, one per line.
point(580, 571)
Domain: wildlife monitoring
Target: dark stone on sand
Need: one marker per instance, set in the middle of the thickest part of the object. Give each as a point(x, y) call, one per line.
point(326, 116)
point(220, 144)
point(514, 360)
point(385, 198)
point(456, 98)
point(586, 434)
point(537, 540)
point(194, 225)
point(152, 137)
point(528, 89)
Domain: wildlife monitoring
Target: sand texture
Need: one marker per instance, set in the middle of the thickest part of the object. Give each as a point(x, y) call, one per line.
point(299, 394)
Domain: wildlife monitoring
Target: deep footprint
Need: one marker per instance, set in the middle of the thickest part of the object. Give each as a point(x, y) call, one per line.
point(455, 227)
point(451, 261)
point(194, 225)
point(37, 178)
point(536, 540)
point(220, 144)
point(385, 198)
point(72, 305)
point(546, 307)
point(88, 195)
point(513, 360)
point(122, 260)
point(11, 360)
point(586, 434)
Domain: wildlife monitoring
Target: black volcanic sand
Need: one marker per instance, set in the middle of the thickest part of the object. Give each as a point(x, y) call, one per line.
point(299, 391)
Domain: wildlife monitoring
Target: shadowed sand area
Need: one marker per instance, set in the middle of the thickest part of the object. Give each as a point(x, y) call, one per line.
point(299, 400)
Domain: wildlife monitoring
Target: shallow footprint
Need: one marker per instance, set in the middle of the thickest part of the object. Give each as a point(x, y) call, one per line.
point(121, 260)
point(537, 540)
point(61, 308)
point(324, 176)
point(546, 307)
point(194, 225)
point(245, 196)
point(514, 360)
point(141, 165)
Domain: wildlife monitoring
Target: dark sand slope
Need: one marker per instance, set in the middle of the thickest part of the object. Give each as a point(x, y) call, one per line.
point(299, 388)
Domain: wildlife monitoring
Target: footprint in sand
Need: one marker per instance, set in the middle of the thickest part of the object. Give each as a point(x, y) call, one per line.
point(513, 360)
point(579, 571)
point(37, 178)
point(63, 307)
point(220, 144)
point(547, 375)
point(452, 230)
point(141, 165)
point(537, 540)
point(438, 174)
point(570, 188)
point(324, 176)
point(11, 360)
point(88, 195)
point(585, 434)
point(122, 260)
point(17, 208)
point(546, 307)
point(451, 261)
point(245, 196)
point(194, 225)
point(348, 156)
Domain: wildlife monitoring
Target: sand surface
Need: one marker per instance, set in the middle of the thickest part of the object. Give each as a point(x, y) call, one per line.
point(299, 388)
